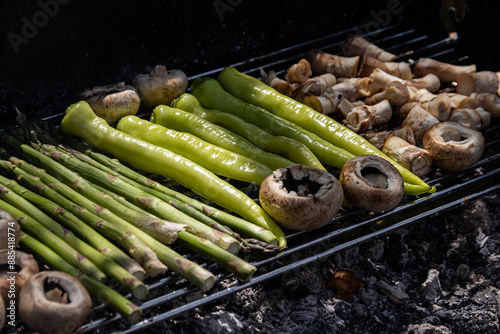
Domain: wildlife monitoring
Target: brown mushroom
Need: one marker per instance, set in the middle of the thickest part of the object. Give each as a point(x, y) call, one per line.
point(362, 118)
point(454, 147)
point(416, 159)
point(396, 93)
point(419, 121)
point(323, 62)
point(317, 85)
point(63, 315)
point(489, 102)
point(160, 86)
point(479, 82)
point(444, 71)
point(28, 267)
point(361, 84)
point(112, 102)
point(399, 69)
point(300, 197)
point(282, 86)
point(9, 230)
point(299, 72)
point(356, 45)
point(474, 118)
point(460, 101)
point(371, 183)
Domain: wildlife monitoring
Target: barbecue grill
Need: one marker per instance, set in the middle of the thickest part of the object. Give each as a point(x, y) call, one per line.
point(40, 77)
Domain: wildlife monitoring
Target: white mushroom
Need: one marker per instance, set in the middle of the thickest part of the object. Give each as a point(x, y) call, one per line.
point(371, 183)
point(41, 311)
point(454, 147)
point(474, 118)
point(282, 86)
point(300, 197)
point(444, 71)
point(415, 159)
point(323, 62)
point(112, 102)
point(160, 86)
point(9, 230)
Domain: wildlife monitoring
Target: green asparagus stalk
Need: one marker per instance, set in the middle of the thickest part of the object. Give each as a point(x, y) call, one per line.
point(142, 199)
point(127, 239)
point(161, 230)
point(27, 202)
point(31, 226)
point(128, 310)
point(234, 223)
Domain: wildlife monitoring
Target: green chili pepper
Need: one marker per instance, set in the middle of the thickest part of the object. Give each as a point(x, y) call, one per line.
point(180, 120)
point(81, 121)
point(216, 159)
point(211, 95)
point(254, 91)
point(283, 146)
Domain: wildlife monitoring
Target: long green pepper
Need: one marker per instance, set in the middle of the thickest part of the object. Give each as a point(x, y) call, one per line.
point(81, 121)
point(214, 158)
point(254, 91)
point(278, 145)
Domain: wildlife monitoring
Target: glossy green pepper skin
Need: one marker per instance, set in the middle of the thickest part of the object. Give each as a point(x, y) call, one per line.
point(252, 90)
point(81, 121)
point(216, 159)
point(211, 95)
point(180, 120)
point(286, 147)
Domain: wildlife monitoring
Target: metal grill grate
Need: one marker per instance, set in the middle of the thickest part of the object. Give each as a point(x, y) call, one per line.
point(349, 228)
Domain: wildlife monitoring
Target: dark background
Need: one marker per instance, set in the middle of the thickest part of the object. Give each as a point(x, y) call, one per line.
point(80, 44)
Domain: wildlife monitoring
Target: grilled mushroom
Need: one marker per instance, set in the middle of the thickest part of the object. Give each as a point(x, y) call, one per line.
point(271, 79)
point(489, 102)
point(444, 71)
point(25, 261)
point(299, 72)
point(414, 158)
point(160, 86)
point(64, 314)
point(300, 197)
point(9, 228)
point(453, 147)
point(112, 102)
point(479, 82)
point(371, 183)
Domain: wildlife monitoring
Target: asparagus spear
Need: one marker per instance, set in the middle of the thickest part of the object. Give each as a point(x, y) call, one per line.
point(235, 223)
point(127, 239)
point(30, 225)
point(101, 292)
point(142, 199)
point(26, 201)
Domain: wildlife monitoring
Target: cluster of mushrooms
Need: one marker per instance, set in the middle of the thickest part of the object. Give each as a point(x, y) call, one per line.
point(435, 113)
point(159, 86)
point(47, 301)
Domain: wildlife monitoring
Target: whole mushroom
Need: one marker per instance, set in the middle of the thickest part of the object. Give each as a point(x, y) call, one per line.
point(453, 146)
point(160, 86)
point(28, 267)
point(62, 311)
point(112, 102)
point(9, 228)
point(300, 197)
point(371, 183)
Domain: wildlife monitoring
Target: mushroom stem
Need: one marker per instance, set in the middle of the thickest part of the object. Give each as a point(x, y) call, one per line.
point(379, 80)
point(378, 139)
point(460, 101)
point(396, 93)
point(406, 134)
point(419, 121)
point(318, 84)
point(356, 45)
point(444, 71)
point(323, 62)
point(328, 102)
point(413, 158)
point(363, 117)
point(361, 84)
point(399, 69)
point(488, 101)
point(438, 106)
point(476, 119)
point(299, 72)
point(479, 82)
point(271, 79)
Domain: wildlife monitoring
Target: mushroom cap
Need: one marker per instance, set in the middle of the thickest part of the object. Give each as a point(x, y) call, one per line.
point(300, 197)
point(454, 147)
point(371, 183)
point(45, 314)
point(28, 266)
